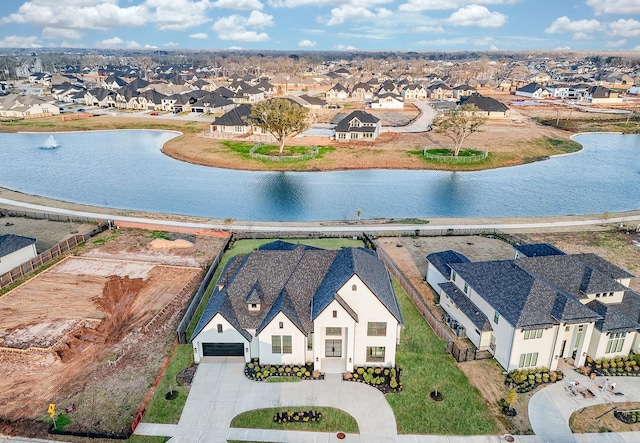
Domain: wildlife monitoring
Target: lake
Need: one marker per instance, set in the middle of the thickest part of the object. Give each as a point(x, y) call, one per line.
point(125, 169)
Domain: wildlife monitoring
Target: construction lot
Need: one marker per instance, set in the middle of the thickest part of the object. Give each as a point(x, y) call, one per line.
point(94, 329)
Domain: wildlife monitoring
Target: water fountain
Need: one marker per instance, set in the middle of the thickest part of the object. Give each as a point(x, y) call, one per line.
point(50, 143)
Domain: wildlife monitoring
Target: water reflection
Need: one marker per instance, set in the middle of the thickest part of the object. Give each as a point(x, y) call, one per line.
point(283, 193)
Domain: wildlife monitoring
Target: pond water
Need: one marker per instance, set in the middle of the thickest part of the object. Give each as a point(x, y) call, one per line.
point(125, 169)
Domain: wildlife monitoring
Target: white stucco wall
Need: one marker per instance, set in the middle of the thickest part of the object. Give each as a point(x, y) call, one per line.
point(16, 258)
point(326, 320)
point(369, 309)
point(544, 346)
point(210, 334)
point(298, 342)
point(434, 278)
point(598, 345)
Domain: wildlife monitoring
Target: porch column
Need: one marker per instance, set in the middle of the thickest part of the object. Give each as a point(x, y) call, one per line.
point(581, 355)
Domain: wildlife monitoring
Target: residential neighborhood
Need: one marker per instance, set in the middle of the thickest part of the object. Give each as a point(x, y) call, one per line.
point(132, 323)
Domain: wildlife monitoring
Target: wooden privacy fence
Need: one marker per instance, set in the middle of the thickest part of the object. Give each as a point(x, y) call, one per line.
point(197, 299)
point(461, 354)
point(42, 259)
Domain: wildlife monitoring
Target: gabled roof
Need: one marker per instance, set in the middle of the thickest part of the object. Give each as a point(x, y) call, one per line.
point(538, 250)
point(338, 87)
point(368, 268)
point(10, 243)
point(484, 103)
point(234, 117)
point(602, 265)
point(469, 309)
point(283, 304)
point(614, 319)
point(441, 260)
point(521, 298)
point(531, 87)
point(345, 124)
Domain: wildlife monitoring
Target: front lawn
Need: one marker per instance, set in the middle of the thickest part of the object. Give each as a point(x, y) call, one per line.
point(426, 365)
point(333, 420)
point(161, 410)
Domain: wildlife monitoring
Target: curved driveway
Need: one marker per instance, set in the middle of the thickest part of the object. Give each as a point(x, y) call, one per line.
point(220, 391)
point(550, 409)
point(421, 124)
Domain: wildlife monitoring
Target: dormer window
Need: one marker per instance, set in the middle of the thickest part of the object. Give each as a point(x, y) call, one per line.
point(354, 287)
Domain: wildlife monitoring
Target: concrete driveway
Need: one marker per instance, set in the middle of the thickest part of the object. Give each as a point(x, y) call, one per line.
point(550, 408)
point(220, 391)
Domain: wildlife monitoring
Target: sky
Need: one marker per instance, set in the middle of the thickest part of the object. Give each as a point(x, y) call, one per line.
point(328, 25)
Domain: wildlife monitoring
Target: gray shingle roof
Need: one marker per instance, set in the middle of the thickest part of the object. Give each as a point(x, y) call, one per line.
point(290, 278)
point(487, 104)
point(570, 274)
point(613, 319)
point(469, 309)
point(602, 265)
point(521, 298)
point(10, 243)
point(235, 117)
point(538, 250)
point(441, 260)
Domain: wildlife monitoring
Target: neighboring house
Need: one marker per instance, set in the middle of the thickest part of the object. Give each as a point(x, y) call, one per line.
point(65, 92)
point(463, 91)
point(600, 94)
point(337, 92)
point(291, 304)
point(359, 125)
point(362, 91)
point(113, 83)
point(559, 91)
point(533, 90)
point(15, 250)
point(26, 106)
point(414, 91)
point(439, 91)
point(311, 102)
point(634, 90)
point(232, 123)
point(104, 98)
point(533, 311)
point(489, 107)
point(388, 101)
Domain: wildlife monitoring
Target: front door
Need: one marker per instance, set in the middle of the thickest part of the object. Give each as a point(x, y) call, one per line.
point(333, 348)
point(564, 345)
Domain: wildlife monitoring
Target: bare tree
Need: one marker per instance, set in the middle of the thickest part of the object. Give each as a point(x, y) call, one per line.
point(459, 123)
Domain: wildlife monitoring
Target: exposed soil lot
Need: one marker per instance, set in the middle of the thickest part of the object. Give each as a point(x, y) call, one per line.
point(94, 329)
point(620, 246)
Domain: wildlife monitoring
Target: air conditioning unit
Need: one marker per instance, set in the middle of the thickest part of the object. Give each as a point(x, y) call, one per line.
point(460, 332)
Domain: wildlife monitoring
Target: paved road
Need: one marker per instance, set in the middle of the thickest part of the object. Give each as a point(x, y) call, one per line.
point(319, 227)
point(422, 123)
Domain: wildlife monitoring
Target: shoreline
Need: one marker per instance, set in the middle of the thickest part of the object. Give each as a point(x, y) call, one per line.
point(17, 200)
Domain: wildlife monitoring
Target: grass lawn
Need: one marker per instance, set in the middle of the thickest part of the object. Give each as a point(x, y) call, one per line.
point(161, 410)
point(147, 439)
point(426, 365)
point(333, 420)
point(245, 246)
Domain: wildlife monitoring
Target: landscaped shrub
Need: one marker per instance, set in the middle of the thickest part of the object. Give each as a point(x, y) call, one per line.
point(386, 380)
point(525, 380)
point(297, 416)
point(254, 371)
point(620, 365)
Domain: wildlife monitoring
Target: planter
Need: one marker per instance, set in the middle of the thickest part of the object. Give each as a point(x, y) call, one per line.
point(509, 412)
point(171, 395)
point(436, 396)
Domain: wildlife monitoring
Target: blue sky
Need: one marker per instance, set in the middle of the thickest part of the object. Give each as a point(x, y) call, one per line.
point(398, 25)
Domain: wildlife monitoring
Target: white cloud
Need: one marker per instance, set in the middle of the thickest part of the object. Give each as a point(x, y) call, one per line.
point(63, 34)
point(83, 14)
point(459, 41)
point(617, 44)
point(148, 46)
point(171, 44)
point(563, 48)
point(238, 4)
point(349, 12)
point(17, 41)
point(234, 27)
point(344, 48)
point(476, 15)
point(178, 15)
point(306, 43)
point(430, 29)
point(235, 48)
point(444, 5)
point(297, 3)
point(581, 29)
point(199, 35)
point(493, 48)
point(625, 28)
point(110, 43)
point(618, 7)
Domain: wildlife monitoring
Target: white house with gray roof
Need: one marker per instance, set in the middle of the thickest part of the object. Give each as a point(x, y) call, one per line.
point(290, 304)
point(541, 307)
point(15, 250)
